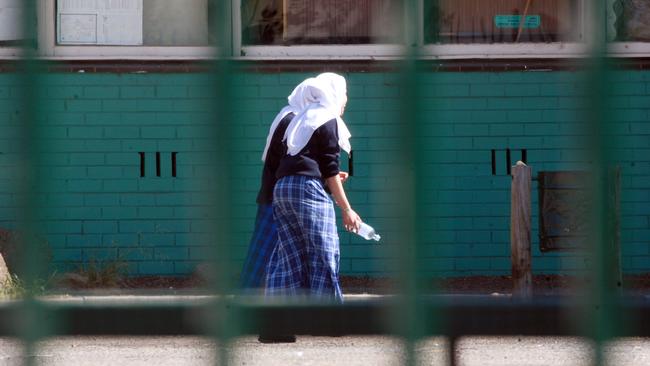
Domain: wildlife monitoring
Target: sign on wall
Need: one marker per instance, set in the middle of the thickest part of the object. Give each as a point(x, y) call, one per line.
point(99, 22)
point(514, 21)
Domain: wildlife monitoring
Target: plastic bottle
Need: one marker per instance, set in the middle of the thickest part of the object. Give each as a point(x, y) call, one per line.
point(367, 232)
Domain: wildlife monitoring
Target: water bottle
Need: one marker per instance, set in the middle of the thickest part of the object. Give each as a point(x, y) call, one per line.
point(367, 232)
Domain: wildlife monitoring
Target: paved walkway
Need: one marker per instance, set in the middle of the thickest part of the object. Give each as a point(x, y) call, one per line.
point(347, 351)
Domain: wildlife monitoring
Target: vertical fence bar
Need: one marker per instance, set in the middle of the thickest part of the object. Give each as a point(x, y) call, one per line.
point(613, 220)
point(33, 323)
point(407, 210)
point(410, 184)
point(601, 326)
point(221, 175)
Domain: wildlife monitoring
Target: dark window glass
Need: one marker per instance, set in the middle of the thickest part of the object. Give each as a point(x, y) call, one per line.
point(502, 21)
point(632, 20)
point(292, 22)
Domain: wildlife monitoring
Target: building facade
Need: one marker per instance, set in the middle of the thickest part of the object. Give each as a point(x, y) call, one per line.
point(124, 109)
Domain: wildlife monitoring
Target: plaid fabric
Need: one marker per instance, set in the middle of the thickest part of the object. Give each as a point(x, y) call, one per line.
point(306, 259)
point(262, 243)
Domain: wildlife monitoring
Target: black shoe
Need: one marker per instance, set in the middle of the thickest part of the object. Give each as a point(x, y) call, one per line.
point(276, 338)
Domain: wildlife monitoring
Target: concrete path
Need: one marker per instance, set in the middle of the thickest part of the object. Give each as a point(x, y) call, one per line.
point(352, 351)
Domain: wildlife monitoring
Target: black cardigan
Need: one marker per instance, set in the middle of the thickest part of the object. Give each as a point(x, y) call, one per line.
point(319, 158)
point(277, 149)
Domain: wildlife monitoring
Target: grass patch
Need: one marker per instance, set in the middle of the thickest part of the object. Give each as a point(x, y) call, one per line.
point(98, 274)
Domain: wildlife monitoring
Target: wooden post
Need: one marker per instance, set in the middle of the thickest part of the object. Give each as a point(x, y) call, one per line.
point(5, 276)
point(522, 21)
point(520, 210)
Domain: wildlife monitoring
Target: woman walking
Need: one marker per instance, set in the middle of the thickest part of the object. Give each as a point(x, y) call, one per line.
point(265, 235)
point(306, 258)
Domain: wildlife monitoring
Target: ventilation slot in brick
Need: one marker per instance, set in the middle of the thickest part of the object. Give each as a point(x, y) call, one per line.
point(142, 159)
point(174, 164)
point(158, 164)
point(505, 155)
point(494, 162)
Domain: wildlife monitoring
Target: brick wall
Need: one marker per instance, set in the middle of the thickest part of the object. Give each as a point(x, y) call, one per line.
point(97, 205)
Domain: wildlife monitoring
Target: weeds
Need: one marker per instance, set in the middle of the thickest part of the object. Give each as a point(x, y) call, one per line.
point(101, 273)
point(15, 287)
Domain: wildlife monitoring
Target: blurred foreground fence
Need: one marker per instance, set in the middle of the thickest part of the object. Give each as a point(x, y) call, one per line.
point(596, 311)
point(469, 315)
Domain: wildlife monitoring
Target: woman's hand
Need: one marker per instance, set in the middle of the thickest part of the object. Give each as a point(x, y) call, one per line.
point(351, 220)
point(343, 176)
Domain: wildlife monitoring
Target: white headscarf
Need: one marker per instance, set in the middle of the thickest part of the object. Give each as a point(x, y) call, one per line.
point(299, 99)
point(329, 92)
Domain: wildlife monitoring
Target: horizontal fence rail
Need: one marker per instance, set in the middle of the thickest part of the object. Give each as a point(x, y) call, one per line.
point(463, 315)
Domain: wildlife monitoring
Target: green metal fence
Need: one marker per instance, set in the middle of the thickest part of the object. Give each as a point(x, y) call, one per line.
point(414, 313)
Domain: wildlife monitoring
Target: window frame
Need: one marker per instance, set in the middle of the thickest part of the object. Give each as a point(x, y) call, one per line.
point(554, 50)
point(426, 51)
point(312, 51)
point(48, 49)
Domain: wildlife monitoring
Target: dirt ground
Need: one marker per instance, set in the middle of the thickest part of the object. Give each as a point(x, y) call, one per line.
point(542, 284)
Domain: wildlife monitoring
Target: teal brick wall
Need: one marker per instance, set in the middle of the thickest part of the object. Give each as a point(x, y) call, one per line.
point(96, 205)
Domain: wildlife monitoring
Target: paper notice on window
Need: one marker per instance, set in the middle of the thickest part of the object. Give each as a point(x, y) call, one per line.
point(99, 22)
point(11, 15)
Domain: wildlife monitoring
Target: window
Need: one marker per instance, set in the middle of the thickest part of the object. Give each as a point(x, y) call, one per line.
point(503, 21)
point(133, 22)
point(294, 22)
point(629, 28)
point(12, 32)
point(504, 28)
point(355, 26)
point(183, 29)
point(448, 28)
point(632, 22)
point(125, 29)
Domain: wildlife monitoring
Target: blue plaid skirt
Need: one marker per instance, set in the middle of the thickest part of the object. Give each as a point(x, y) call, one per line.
point(306, 259)
point(264, 240)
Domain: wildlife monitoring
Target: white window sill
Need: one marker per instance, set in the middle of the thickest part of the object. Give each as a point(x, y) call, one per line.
point(10, 53)
point(505, 51)
point(442, 52)
point(629, 49)
point(321, 52)
point(131, 52)
point(334, 52)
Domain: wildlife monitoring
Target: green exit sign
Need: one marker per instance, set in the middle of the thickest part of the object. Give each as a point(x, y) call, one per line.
point(513, 21)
